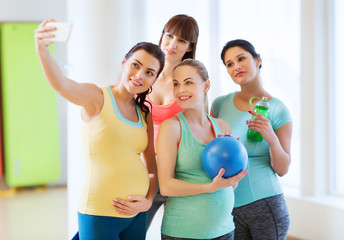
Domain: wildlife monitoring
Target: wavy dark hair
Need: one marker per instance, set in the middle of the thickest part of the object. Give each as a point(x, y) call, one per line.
point(184, 27)
point(156, 52)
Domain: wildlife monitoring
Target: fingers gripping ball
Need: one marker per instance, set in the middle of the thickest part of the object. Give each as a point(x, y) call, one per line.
point(224, 152)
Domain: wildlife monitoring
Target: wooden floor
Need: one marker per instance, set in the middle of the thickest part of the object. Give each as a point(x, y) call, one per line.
point(293, 238)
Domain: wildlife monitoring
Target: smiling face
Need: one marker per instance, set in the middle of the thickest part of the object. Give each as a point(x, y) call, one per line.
point(188, 87)
point(139, 71)
point(241, 65)
point(174, 47)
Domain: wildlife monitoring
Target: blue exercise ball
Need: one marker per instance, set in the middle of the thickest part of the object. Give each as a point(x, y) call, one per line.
point(224, 152)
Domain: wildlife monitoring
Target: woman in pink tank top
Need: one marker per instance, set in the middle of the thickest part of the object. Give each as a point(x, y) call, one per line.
point(178, 41)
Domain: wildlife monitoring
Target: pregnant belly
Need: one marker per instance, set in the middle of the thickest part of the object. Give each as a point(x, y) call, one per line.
point(100, 191)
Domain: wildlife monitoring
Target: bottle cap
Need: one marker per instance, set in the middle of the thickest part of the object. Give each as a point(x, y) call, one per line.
point(263, 102)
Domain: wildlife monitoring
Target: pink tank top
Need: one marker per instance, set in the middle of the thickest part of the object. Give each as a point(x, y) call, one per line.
point(162, 112)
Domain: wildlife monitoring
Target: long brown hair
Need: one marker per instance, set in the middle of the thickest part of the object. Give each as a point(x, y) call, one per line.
point(184, 27)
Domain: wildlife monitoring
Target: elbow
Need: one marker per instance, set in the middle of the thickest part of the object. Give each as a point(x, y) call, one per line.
point(163, 193)
point(282, 173)
point(60, 87)
point(166, 189)
point(163, 190)
point(281, 168)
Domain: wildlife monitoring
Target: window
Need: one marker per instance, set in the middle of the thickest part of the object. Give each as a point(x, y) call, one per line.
point(273, 27)
point(337, 100)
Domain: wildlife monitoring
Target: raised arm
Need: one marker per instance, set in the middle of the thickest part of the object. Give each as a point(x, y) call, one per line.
point(89, 96)
point(167, 144)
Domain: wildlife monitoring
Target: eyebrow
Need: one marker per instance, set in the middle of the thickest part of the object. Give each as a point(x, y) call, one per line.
point(142, 65)
point(175, 80)
point(235, 57)
point(177, 36)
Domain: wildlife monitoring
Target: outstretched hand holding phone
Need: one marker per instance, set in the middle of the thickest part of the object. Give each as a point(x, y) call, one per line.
point(62, 32)
point(51, 31)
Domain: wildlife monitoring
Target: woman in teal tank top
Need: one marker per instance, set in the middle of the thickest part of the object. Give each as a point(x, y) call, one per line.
point(260, 211)
point(197, 207)
point(116, 137)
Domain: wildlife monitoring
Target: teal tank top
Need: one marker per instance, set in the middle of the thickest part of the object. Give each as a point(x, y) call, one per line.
point(261, 181)
point(201, 216)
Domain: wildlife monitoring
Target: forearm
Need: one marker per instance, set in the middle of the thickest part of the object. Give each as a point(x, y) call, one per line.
point(153, 187)
point(52, 71)
point(280, 159)
point(178, 188)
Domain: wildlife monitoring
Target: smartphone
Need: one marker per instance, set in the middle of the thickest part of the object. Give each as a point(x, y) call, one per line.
point(62, 31)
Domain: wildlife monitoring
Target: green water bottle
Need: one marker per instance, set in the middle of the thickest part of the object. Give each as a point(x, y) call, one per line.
point(262, 107)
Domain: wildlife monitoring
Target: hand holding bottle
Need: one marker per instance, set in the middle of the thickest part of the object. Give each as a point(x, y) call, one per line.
point(259, 125)
point(262, 125)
